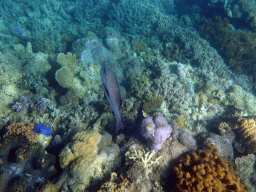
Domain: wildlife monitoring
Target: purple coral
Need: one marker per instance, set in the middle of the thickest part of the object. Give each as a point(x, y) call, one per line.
point(155, 130)
point(22, 105)
point(40, 105)
point(17, 30)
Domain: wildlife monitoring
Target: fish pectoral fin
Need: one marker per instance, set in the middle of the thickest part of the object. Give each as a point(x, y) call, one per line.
point(106, 91)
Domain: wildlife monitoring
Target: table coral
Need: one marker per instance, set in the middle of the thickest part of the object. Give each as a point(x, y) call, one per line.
point(77, 76)
point(204, 170)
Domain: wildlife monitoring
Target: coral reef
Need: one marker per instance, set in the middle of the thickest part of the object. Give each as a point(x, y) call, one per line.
point(241, 99)
point(237, 47)
point(148, 160)
point(75, 76)
point(171, 51)
point(170, 86)
point(138, 85)
point(25, 130)
point(140, 170)
point(241, 9)
point(31, 132)
point(247, 130)
point(88, 158)
point(222, 143)
point(152, 102)
point(204, 170)
point(245, 169)
point(23, 165)
point(155, 130)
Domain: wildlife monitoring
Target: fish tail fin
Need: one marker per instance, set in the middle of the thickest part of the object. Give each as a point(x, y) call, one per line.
point(120, 125)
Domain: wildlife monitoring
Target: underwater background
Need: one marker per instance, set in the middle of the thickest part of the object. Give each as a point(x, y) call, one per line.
point(127, 95)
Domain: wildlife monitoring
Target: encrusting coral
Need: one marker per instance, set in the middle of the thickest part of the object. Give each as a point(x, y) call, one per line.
point(204, 170)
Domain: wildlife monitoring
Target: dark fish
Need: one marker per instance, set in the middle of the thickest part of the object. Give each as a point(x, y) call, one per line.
point(112, 92)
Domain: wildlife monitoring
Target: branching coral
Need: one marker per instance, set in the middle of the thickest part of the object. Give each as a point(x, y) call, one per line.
point(25, 130)
point(115, 184)
point(148, 160)
point(204, 170)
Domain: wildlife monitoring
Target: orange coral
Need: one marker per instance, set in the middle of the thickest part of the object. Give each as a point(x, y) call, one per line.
point(22, 129)
point(247, 127)
point(205, 171)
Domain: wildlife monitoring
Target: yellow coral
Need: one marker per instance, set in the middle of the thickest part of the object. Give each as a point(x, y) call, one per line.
point(25, 130)
point(247, 127)
point(204, 170)
point(138, 46)
point(84, 146)
point(64, 77)
point(68, 60)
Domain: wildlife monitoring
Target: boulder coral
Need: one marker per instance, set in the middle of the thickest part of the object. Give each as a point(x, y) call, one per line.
point(88, 157)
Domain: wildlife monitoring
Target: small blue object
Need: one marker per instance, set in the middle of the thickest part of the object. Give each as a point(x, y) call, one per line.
point(40, 128)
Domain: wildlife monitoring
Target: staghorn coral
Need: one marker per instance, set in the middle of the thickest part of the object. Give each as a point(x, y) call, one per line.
point(117, 183)
point(25, 130)
point(247, 128)
point(148, 160)
point(204, 170)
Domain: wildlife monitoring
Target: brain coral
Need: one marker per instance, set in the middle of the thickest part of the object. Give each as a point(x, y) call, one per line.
point(204, 170)
point(247, 128)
